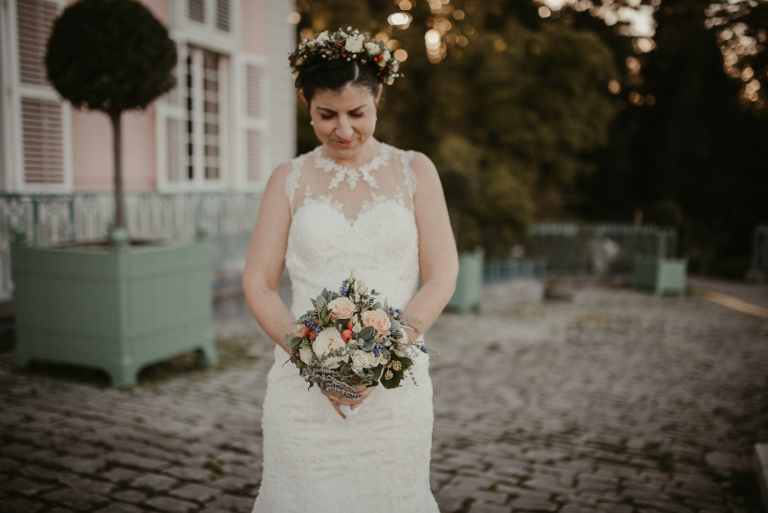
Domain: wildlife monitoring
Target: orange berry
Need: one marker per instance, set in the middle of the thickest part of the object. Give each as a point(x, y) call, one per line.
point(349, 325)
point(312, 335)
point(347, 335)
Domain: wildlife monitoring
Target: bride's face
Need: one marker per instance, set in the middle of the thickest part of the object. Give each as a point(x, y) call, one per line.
point(344, 120)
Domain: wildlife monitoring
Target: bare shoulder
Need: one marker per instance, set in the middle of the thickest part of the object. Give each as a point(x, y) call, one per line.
point(280, 174)
point(422, 165)
point(278, 178)
point(425, 171)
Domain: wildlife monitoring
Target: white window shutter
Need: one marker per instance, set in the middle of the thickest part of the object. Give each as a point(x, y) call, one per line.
point(196, 10)
point(43, 116)
point(34, 22)
point(43, 141)
point(253, 120)
point(223, 9)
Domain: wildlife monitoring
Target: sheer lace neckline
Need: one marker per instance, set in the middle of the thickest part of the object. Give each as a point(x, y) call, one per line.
point(352, 175)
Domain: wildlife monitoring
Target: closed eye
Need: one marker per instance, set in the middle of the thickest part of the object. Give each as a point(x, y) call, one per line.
point(353, 114)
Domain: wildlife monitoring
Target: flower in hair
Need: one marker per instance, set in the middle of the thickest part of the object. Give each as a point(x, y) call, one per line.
point(349, 46)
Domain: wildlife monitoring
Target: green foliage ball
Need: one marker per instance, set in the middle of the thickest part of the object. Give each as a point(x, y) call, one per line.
point(110, 55)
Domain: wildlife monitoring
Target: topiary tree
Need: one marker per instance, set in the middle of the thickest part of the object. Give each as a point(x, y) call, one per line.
point(111, 56)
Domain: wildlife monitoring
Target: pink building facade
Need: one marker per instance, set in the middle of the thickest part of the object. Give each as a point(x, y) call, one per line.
point(227, 124)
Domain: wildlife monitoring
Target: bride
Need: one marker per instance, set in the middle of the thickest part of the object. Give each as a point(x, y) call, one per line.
point(351, 203)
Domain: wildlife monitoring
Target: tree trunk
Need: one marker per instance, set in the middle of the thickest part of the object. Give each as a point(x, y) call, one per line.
point(119, 209)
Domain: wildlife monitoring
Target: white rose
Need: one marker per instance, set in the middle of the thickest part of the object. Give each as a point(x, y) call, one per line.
point(355, 43)
point(328, 340)
point(373, 48)
point(386, 55)
point(360, 360)
point(306, 354)
point(323, 38)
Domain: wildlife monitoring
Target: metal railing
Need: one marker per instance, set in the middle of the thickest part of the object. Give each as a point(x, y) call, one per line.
point(499, 270)
point(56, 218)
point(573, 250)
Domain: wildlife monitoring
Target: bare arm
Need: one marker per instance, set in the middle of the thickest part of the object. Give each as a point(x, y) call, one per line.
point(438, 258)
point(266, 259)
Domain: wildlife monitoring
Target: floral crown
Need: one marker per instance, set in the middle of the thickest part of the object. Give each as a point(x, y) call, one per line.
point(341, 45)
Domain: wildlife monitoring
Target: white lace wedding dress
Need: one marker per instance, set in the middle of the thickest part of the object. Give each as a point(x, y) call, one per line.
point(378, 460)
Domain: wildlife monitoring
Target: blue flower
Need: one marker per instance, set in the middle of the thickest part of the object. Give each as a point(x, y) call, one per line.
point(423, 349)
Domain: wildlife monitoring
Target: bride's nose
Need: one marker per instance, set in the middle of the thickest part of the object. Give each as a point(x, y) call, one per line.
point(344, 129)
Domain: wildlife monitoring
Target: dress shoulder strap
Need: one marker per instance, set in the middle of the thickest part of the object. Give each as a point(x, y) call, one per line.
point(292, 180)
point(408, 174)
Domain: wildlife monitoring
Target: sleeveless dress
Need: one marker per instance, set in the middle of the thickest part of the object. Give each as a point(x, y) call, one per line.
point(378, 460)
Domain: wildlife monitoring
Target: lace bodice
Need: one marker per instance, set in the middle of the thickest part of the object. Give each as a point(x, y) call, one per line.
point(388, 176)
point(360, 219)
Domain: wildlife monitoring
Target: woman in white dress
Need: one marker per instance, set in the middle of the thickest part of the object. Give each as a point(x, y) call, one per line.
point(352, 203)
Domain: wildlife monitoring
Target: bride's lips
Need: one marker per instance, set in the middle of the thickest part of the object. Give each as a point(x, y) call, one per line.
point(344, 144)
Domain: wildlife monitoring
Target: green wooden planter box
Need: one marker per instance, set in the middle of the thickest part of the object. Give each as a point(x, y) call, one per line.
point(117, 308)
point(469, 283)
point(661, 275)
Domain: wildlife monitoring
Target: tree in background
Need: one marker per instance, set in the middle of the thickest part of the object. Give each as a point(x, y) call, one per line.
point(688, 144)
point(111, 56)
point(505, 104)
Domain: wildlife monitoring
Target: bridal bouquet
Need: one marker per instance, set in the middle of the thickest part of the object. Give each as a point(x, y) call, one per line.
point(349, 340)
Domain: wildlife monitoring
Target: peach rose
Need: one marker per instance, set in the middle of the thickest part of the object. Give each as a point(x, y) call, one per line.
point(378, 319)
point(342, 308)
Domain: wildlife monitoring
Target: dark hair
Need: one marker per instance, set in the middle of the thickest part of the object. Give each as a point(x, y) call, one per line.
point(334, 74)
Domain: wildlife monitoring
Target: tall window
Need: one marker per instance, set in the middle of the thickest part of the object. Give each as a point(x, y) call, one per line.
point(196, 130)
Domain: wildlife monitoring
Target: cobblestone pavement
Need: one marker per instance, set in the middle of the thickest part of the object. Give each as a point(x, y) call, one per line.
point(618, 402)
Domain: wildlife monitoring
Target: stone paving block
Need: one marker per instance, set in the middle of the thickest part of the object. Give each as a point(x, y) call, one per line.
point(79, 465)
point(40, 473)
point(79, 500)
point(120, 507)
point(189, 474)
point(231, 503)
point(546, 483)
point(16, 450)
point(525, 504)
point(196, 492)
point(7, 464)
point(19, 505)
point(171, 505)
point(27, 487)
point(154, 482)
point(119, 475)
point(80, 483)
point(488, 508)
point(230, 484)
point(132, 496)
point(596, 484)
point(450, 500)
point(131, 460)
